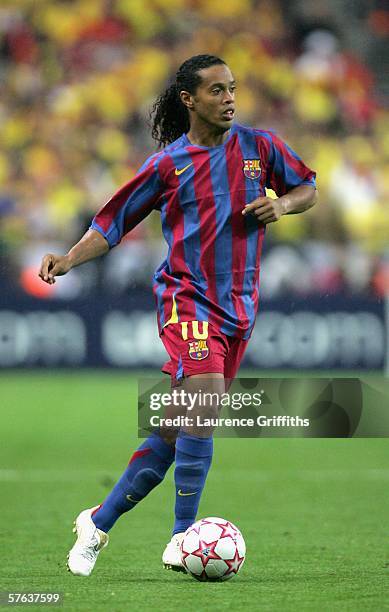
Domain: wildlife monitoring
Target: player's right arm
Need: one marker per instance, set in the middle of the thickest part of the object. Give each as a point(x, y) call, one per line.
point(127, 207)
point(91, 245)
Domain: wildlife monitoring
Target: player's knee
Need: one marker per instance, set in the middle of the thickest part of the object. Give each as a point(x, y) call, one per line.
point(168, 435)
point(207, 411)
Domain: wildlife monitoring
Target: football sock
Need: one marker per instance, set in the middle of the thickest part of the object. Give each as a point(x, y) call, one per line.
point(193, 460)
point(146, 469)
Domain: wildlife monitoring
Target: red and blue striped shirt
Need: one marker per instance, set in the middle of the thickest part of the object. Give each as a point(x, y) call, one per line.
point(211, 272)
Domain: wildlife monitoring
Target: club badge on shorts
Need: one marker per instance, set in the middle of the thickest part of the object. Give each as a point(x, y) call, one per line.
point(198, 350)
point(252, 168)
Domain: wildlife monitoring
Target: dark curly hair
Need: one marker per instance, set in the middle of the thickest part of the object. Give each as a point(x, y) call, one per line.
point(169, 116)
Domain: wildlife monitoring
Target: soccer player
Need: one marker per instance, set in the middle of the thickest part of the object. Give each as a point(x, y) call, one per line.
point(208, 182)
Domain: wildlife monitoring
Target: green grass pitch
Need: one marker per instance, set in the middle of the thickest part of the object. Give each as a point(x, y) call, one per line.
point(314, 513)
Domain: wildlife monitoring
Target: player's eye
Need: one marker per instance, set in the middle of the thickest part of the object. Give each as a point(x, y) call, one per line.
point(216, 91)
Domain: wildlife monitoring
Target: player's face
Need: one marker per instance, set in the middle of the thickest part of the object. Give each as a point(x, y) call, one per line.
point(214, 99)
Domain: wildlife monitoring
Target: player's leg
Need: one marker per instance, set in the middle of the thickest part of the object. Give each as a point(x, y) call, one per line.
point(194, 451)
point(146, 469)
point(236, 350)
point(191, 471)
point(194, 445)
point(194, 448)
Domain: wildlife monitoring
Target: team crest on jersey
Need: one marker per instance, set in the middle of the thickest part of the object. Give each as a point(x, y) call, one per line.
point(198, 350)
point(252, 168)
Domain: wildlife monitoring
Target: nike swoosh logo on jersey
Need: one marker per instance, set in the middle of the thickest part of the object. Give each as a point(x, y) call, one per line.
point(178, 172)
point(131, 499)
point(185, 494)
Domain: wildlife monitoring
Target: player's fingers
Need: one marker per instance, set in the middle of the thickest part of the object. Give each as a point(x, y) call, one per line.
point(256, 210)
point(266, 217)
point(268, 220)
point(262, 215)
point(249, 208)
point(263, 210)
point(259, 203)
point(265, 213)
point(44, 269)
point(56, 270)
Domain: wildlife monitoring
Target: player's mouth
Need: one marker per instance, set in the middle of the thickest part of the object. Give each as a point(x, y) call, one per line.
point(229, 114)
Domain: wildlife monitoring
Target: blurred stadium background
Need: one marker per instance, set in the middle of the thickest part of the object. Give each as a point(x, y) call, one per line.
point(78, 79)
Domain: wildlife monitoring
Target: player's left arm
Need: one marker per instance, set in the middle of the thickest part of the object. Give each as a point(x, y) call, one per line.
point(297, 200)
point(290, 178)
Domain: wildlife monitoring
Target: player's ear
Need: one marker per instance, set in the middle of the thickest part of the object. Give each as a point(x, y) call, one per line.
point(186, 99)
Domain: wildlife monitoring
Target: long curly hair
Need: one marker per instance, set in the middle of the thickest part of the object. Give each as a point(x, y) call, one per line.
point(169, 116)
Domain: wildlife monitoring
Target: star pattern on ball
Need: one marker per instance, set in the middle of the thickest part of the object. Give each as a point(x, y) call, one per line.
point(206, 545)
point(233, 564)
point(205, 552)
point(228, 530)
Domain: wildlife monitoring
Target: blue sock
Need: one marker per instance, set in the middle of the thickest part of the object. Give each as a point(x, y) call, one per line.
point(193, 460)
point(147, 468)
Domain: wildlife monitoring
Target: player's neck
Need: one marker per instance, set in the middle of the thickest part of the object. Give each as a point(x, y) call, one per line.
point(204, 136)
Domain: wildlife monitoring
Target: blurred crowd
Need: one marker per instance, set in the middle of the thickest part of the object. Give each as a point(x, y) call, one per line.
point(78, 79)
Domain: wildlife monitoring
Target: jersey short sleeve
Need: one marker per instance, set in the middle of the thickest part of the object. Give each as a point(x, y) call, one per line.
point(286, 169)
point(130, 204)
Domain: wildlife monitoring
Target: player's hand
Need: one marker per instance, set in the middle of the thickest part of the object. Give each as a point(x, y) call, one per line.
point(52, 266)
point(266, 210)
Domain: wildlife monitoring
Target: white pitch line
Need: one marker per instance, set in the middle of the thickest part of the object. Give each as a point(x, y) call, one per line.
point(41, 475)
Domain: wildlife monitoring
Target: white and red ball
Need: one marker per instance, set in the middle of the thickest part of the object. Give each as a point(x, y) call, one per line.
point(213, 549)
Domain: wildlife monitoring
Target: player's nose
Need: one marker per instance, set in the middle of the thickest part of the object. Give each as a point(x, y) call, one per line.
point(229, 97)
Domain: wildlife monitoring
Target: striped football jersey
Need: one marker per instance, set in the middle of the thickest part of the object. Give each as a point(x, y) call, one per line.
point(211, 272)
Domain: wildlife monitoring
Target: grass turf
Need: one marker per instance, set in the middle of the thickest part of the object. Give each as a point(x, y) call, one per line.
point(313, 512)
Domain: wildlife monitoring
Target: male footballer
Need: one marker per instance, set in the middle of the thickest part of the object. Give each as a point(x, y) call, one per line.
point(208, 182)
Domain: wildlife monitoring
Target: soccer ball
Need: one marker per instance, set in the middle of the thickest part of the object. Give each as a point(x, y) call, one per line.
point(213, 549)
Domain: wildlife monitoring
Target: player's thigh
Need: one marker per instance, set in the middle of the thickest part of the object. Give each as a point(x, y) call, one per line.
point(203, 393)
point(234, 357)
point(169, 433)
point(201, 402)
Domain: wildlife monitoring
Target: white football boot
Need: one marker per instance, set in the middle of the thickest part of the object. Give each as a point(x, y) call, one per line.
point(171, 557)
point(90, 541)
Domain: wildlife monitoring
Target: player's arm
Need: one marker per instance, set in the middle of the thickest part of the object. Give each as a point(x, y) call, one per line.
point(289, 177)
point(91, 245)
point(127, 207)
point(297, 200)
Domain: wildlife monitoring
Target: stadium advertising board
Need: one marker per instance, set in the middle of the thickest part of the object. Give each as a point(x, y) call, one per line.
point(332, 333)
